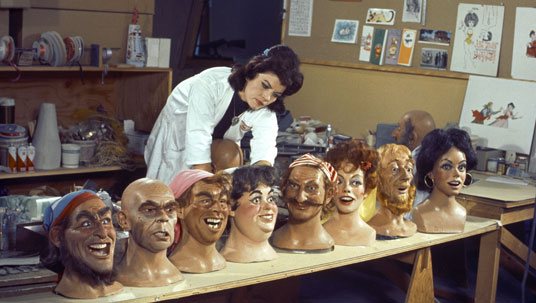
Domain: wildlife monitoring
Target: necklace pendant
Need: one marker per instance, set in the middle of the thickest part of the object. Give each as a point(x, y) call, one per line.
point(235, 120)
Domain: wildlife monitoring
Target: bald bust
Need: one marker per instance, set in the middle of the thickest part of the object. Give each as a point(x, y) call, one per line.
point(225, 154)
point(412, 128)
point(149, 214)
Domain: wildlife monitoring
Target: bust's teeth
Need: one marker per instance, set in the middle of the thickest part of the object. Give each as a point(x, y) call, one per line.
point(98, 246)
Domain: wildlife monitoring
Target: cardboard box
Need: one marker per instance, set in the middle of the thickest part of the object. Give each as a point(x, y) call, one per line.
point(152, 47)
point(164, 52)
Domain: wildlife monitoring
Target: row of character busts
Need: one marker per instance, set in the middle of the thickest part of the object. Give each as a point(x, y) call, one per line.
point(174, 228)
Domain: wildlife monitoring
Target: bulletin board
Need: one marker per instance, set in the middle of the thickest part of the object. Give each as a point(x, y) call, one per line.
point(318, 48)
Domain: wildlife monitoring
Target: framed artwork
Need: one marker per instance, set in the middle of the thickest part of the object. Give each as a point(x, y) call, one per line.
point(501, 112)
point(380, 16)
point(345, 31)
point(524, 50)
point(412, 11)
point(477, 40)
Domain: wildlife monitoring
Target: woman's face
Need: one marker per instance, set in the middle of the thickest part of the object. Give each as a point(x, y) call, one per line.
point(262, 90)
point(449, 172)
point(350, 188)
point(256, 213)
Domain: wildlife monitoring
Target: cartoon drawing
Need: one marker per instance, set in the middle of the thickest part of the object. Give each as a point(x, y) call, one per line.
point(531, 46)
point(380, 16)
point(345, 31)
point(485, 113)
point(368, 43)
point(393, 47)
point(469, 23)
point(502, 121)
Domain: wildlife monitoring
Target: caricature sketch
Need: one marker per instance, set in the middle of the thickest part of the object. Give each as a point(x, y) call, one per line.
point(412, 11)
point(485, 113)
point(496, 110)
point(381, 16)
point(477, 40)
point(502, 120)
point(524, 50)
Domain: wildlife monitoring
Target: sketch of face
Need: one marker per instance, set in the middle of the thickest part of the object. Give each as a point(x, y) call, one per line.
point(256, 213)
point(532, 36)
point(449, 172)
point(350, 188)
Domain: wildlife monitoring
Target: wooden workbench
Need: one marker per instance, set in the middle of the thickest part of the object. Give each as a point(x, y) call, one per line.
point(288, 265)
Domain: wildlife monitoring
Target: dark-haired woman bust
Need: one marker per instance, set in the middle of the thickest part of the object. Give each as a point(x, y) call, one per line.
point(253, 215)
point(223, 103)
point(443, 162)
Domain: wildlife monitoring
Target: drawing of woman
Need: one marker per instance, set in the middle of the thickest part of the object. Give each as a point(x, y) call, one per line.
point(469, 23)
point(502, 121)
point(531, 46)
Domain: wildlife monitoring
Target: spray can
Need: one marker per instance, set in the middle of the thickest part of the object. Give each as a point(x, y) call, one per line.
point(30, 154)
point(21, 158)
point(12, 158)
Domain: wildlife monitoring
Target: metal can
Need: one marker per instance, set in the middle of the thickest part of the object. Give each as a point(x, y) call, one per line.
point(21, 158)
point(12, 159)
point(30, 154)
point(501, 166)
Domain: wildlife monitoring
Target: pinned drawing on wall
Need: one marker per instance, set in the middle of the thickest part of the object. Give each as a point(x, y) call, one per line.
point(501, 112)
point(412, 11)
point(378, 46)
point(381, 16)
point(366, 43)
point(345, 31)
point(393, 46)
point(432, 36)
point(524, 50)
point(434, 58)
point(405, 55)
point(300, 18)
point(477, 41)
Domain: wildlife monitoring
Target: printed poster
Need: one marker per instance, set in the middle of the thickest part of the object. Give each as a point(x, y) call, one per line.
point(300, 18)
point(477, 40)
point(524, 50)
point(366, 43)
point(501, 112)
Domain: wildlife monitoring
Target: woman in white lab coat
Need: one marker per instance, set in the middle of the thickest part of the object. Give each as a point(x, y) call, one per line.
point(221, 102)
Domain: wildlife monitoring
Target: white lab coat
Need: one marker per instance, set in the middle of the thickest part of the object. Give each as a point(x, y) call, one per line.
point(182, 134)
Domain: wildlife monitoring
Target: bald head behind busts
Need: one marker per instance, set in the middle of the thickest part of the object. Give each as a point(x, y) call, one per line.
point(412, 128)
point(225, 154)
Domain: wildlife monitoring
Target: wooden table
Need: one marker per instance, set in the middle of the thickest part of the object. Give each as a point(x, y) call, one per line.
point(236, 275)
point(508, 203)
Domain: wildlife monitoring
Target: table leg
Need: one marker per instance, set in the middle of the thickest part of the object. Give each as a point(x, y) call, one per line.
point(517, 247)
point(421, 286)
point(488, 267)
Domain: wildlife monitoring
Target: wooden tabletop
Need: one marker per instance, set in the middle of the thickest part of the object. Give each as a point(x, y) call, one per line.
point(287, 265)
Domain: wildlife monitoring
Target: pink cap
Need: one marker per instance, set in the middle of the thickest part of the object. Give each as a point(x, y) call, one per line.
point(186, 178)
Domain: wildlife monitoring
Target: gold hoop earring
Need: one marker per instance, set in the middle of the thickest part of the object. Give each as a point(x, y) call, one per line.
point(468, 179)
point(427, 181)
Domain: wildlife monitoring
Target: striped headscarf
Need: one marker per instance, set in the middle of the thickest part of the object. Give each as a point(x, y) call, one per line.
point(64, 206)
point(324, 166)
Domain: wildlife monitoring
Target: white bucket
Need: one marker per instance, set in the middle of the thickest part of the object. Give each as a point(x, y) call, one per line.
point(136, 141)
point(70, 155)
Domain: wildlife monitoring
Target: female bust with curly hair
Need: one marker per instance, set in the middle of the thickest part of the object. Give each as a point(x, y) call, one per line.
point(356, 167)
point(223, 103)
point(443, 162)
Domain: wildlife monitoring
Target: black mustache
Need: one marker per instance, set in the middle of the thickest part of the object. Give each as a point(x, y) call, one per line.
point(306, 202)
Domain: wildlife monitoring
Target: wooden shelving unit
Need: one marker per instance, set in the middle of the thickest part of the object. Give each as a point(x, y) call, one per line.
point(60, 171)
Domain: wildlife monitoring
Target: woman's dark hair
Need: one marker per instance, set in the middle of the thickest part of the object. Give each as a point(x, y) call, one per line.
point(471, 16)
point(437, 143)
point(511, 103)
point(248, 178)
point(280, 60)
